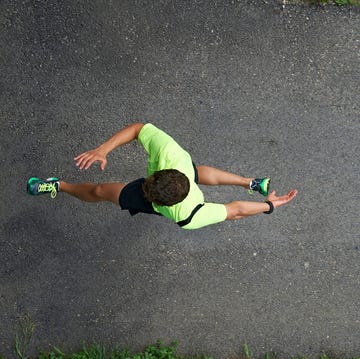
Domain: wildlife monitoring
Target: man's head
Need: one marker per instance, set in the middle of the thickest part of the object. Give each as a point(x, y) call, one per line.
point(166, 187)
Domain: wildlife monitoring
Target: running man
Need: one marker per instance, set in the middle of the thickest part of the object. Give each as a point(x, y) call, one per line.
point(171, 187)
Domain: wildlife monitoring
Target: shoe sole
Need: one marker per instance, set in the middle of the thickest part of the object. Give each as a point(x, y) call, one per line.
point(265, 191)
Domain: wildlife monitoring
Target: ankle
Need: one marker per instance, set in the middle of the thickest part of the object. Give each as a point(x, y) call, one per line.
point(251, 184)
point(62, 186)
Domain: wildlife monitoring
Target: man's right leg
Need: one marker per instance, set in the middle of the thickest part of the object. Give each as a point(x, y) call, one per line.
point(91, 192)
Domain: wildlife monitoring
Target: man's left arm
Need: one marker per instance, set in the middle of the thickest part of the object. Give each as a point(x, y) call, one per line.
point(240, 209)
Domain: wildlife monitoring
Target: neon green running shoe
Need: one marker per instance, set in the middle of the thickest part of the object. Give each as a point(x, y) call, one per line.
point(260, 185)
point(36, 186)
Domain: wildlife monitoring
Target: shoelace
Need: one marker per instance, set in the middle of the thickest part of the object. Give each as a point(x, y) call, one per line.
point(48, 187)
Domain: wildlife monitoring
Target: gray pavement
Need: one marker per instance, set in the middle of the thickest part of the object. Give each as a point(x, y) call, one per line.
point(243, 86)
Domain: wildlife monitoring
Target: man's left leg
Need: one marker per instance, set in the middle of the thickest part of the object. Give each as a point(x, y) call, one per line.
point(213, 176)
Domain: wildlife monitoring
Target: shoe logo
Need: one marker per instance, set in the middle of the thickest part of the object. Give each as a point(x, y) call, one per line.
point(48, 187)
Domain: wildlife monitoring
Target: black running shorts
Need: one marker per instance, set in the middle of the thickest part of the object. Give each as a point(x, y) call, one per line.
point(132, 198)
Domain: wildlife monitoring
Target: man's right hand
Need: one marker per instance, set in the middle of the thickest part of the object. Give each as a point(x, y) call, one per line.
point(86, 159)
point(125, 135)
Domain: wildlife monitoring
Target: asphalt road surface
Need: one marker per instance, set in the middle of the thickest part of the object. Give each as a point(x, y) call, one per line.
point(242, 85)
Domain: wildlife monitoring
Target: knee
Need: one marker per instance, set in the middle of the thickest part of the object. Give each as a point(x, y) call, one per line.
point(98, 191)
point(108, 192)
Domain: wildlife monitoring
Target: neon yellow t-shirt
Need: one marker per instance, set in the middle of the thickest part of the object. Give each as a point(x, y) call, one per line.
point(165, 153)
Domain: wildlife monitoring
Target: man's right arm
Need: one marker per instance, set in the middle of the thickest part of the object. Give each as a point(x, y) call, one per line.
point(125, 135)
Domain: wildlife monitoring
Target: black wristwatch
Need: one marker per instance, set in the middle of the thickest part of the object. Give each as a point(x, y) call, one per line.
point(271, 210)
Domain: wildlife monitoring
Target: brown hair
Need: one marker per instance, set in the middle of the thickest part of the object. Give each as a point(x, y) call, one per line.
point(166, 187)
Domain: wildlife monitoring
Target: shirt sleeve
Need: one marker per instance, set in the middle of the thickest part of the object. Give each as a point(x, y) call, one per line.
point(154, 140)
point(163, 151)
point(210, 213)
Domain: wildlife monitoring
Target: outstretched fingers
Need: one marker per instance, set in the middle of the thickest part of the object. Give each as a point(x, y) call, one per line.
point(291, 194)
point(279, 201)
point(86, 159)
